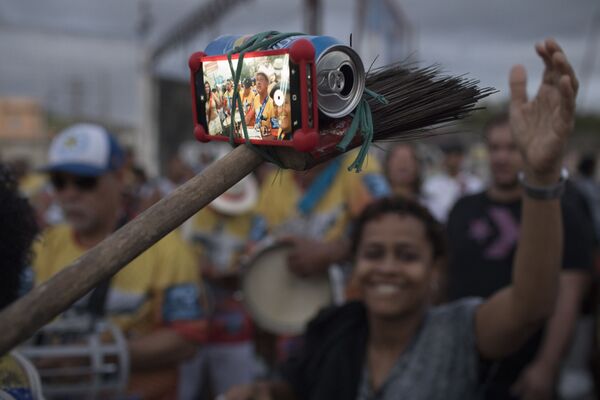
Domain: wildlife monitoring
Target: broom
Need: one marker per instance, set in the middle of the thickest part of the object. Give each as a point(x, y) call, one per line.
point(417, 100)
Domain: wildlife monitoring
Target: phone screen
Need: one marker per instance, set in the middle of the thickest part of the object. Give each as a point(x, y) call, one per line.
point(266, 89)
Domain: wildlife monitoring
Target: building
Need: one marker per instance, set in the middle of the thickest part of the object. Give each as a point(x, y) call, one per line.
point(23, 130)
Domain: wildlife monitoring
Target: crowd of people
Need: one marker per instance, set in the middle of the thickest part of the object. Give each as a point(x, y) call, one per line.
point(264, 94)
point(448, 285)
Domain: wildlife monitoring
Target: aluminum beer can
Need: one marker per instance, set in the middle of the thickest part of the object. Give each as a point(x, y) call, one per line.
point(340, 71)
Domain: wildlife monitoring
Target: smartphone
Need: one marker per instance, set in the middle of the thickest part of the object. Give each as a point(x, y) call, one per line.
point(269, 90)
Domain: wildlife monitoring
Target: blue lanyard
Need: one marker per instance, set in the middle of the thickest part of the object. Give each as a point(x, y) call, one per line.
point(320, 186)
point(260, 113)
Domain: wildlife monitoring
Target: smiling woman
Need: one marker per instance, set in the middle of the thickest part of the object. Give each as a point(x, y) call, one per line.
point(399, 250)
point(393, 343)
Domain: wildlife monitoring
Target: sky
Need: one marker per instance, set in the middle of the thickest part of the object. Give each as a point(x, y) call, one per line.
point(83, 56)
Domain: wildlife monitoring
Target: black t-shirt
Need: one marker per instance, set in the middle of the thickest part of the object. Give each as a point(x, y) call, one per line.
point(482, 238)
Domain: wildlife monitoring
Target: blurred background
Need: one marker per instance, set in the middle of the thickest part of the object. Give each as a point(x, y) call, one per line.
point(123, 63)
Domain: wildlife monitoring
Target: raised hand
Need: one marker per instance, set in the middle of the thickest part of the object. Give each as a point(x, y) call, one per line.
point(542, 126)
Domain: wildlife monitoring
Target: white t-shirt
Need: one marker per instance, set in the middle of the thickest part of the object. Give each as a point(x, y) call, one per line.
point(441, 191)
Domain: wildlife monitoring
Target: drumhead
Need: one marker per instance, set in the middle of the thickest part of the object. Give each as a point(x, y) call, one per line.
point(279, 300)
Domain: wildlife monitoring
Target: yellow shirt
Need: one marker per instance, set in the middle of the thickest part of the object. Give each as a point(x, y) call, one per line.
point(221, 241)
point(146, 293)
point(248, 100)
point(343, 199)
point(268, 111)
point(158, 289)
point(32, 183)
point(220, 238)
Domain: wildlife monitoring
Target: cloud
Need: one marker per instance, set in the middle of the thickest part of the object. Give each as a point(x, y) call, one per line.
point(56, 42)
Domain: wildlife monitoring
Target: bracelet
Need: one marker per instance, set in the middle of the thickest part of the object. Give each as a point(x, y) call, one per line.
point(545, 192)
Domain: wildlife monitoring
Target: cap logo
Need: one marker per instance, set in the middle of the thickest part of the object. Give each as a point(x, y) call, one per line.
point(81, 149)
point(74, 144)
point(70, 143)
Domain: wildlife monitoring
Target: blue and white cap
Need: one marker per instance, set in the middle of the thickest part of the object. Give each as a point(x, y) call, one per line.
point(84, 149)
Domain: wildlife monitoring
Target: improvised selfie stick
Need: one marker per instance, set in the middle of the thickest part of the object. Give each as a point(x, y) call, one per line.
point(408, 100)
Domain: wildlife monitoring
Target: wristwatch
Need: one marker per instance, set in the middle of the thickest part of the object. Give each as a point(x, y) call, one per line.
point(551, 192)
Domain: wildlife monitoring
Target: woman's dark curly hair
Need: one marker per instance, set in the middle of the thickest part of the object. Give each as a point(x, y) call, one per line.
point(18, 229)
point(401, 206)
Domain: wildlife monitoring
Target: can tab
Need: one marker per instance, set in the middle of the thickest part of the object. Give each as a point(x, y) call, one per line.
point(331, 81)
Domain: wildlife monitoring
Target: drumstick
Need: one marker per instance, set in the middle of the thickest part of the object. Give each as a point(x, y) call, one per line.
point(412, 107)
point(24, 317)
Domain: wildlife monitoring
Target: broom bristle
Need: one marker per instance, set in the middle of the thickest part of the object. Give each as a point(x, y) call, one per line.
point(419, 100)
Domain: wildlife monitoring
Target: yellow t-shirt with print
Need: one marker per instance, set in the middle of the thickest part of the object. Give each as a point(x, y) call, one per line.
point(268, 111)
point(221, 240)
point(140, 291)
point(247, 100)
point(344, 198)
point(158, 289)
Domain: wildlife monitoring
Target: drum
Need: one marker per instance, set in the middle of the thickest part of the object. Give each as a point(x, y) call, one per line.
point(80, 357)
point(279, 300)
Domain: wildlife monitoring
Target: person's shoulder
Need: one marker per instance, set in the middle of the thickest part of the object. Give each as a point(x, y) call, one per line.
point(277, 179)
point(55, 235)
point(370, 176)
point(454, 313)
point(169, 261)
point(464, 305)
point(57, 230)
point(474, 198)
point(172, 249)
point(370, 164)
point(468, 203)
point(338, 317)
point(576, 210)
point(173, 240)
point(573, 200)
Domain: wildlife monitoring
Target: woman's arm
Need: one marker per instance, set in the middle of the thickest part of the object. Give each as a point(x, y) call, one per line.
point(540, 129)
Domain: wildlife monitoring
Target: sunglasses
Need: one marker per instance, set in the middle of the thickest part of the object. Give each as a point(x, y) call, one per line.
point(82, 183)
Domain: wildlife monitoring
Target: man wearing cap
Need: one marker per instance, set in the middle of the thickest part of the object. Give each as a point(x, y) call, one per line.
point(247, 95)
point(259, 116)
point(228, 96)
point(155, 298)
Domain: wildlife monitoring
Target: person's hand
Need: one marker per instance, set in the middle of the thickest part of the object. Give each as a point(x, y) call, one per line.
point(228, 278)
point(542, 126)
point(207, 269)
point(536, 382)
point(307, 256)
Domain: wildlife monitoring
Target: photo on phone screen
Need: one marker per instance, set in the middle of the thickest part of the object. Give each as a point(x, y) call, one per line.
point(264, 89)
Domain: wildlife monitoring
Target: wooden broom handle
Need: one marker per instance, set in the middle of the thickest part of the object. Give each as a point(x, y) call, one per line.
point(25, 316)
